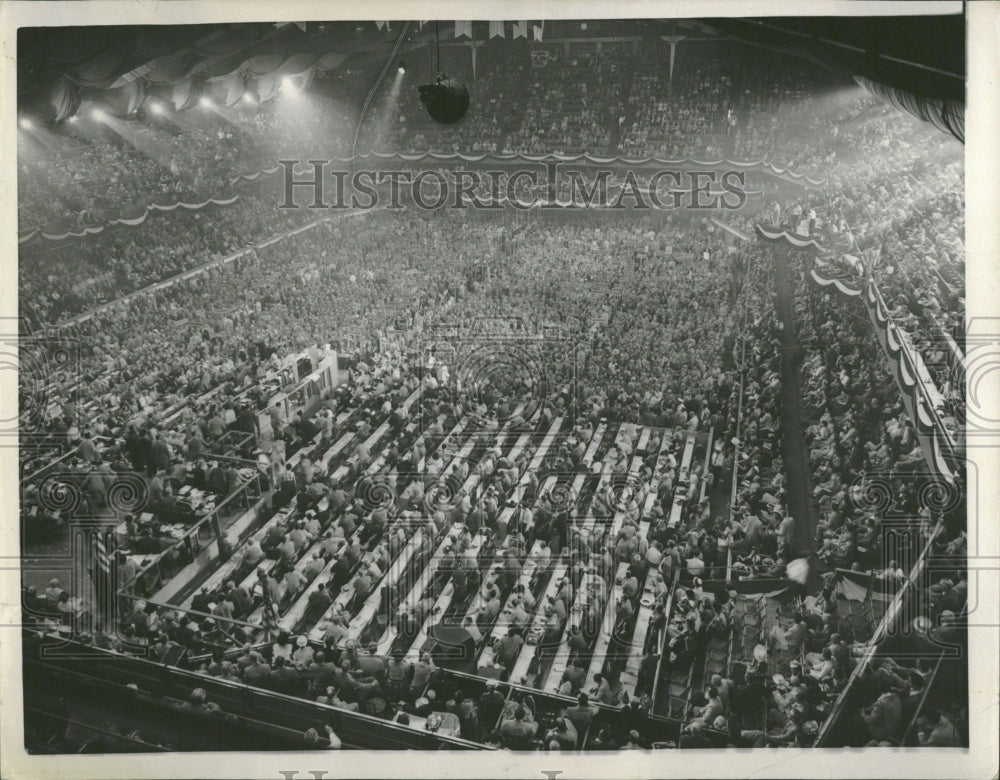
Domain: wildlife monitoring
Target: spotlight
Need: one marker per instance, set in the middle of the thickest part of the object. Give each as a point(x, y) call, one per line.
point(447, 99)
point(156, 108)
point(288, 86)
point(249, 99)
point(205, 102)
point(74, 119)
point(99, 115)
point(25, 123)
point(402, 67)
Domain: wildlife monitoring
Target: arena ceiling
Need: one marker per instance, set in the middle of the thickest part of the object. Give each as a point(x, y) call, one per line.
point(915, 63)
point(921, 56)
point(112, 56)
point(924, 55)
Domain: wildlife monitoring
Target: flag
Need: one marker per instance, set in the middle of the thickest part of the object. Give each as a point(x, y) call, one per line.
point(496, 28)
point(380, 25)
point(104, 543)
point(520, 29)
point(673, 40)
point(474, 45)
point(463, 28)
point(536, 30)
point(105, 574)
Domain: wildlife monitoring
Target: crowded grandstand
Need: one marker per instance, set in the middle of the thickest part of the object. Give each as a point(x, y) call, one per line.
point(586, 477)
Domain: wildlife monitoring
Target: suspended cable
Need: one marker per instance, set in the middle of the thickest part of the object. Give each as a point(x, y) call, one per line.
point(371, 94)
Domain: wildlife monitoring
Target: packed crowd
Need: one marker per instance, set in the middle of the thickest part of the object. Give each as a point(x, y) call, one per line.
point(901, 211)
point(574, 101)
point(672, 119)
point(332, 283)
point(701, 110)
point(665, 322)
point(701, 552)
point(602, 98)
point(733, 103)
point(336, 278)
point(863, 464)
point(866, 465)
point(95, 175)
point(854, 424)
point(607, 292)
point(115, 263)
point(89, 184)
point(680, 270)
point(102, 177)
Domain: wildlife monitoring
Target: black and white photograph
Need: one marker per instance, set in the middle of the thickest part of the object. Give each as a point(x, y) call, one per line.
point(546, 387)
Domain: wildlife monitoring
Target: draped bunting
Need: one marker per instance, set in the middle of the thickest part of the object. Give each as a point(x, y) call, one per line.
point(56, 103)
point(266, 87)
point(118, 78)
point(185, 94)
point(226, 89)
point(227, 42)
point(163, 93)
point(300, 81)
point(330, 60)
point(65, 99)
point(262, 64)
point(255, 176)
point(119, 102)
point(613, 190)
point(124, 100)
point(131, 222)
point(758, 166)
point(800, 242)
point(922, 400)
point(101, 70)
point(841, 286)
point(167, 70)
point(946, 115)
point(229, 90)
point(299, 63)
point(953, 353)
point(222, 65)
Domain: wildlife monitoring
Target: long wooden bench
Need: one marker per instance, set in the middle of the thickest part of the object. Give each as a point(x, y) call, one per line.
point(582, 600)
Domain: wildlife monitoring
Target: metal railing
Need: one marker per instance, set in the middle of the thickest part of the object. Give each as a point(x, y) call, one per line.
point(161, 567)
point(882, 630)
